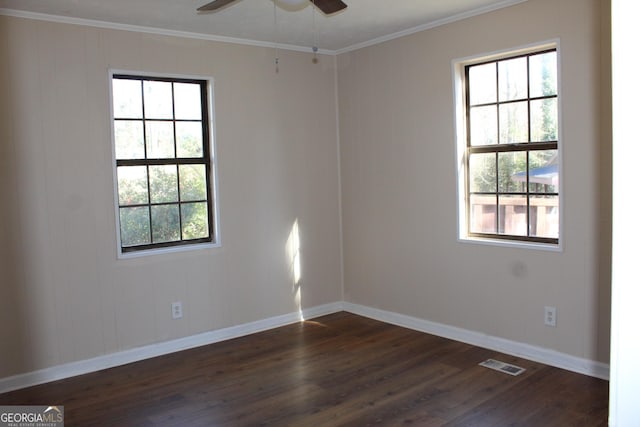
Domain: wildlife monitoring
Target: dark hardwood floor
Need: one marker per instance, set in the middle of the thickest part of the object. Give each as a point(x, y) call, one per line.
point(337, 370)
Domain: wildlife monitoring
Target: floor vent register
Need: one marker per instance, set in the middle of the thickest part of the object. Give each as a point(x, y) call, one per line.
point(507, 368)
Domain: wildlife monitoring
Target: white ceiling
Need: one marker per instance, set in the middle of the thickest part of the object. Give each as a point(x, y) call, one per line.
point(252, 21)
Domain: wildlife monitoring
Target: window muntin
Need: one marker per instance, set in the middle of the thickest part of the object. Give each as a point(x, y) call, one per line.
point(511, 159)
point(163, 162)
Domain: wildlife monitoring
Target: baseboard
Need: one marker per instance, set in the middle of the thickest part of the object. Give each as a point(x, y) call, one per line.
point(527, 351)
point(111, 360)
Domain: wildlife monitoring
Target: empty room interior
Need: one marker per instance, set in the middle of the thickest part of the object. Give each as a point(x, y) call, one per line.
point(341, 235)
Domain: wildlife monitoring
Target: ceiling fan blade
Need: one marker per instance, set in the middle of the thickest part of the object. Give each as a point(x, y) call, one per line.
point(214, 5)
point(329, 6)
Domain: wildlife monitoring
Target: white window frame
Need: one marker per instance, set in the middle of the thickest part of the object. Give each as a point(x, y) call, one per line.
point(215, 199)
point(460, 132)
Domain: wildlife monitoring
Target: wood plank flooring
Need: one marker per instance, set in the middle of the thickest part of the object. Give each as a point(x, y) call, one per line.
point(337, 370)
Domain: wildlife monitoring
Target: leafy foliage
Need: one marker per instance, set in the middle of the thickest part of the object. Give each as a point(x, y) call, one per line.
point(159, 202)
point(514, 104)
point(169, 219)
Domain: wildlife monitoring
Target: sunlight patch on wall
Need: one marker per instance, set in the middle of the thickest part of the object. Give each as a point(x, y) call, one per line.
point(295, 269)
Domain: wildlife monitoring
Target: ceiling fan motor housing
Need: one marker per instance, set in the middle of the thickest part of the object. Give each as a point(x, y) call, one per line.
point(328, 7)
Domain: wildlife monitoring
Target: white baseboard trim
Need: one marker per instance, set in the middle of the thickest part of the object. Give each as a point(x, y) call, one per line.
point(111, 360)
point(514, 348)
point(527, 351)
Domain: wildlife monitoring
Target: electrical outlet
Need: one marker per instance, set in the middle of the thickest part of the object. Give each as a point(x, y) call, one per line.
point(176, 310)
point(550, 316)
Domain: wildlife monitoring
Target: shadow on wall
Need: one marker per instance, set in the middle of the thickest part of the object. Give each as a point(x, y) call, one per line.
point(15, 339)
point(605, 169)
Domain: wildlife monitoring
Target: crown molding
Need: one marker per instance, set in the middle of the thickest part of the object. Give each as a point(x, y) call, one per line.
point(249, 42)
point(430, 25)
point(154, 30)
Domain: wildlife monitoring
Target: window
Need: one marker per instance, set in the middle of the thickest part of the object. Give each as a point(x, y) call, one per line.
point(163, 162)
point(510, 157)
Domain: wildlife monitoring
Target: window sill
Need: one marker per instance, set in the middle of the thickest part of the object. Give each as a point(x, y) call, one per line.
point(515, 244)
point(167, 250)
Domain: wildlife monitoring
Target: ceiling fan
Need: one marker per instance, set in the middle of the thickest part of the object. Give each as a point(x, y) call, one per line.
point(326, 6)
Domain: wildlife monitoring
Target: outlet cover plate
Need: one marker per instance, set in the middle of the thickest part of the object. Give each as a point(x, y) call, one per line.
point(550, 316)
point(176, 310)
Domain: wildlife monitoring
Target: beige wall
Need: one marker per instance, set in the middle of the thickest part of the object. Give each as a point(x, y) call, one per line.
point(399, 184)
point(63, 296)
